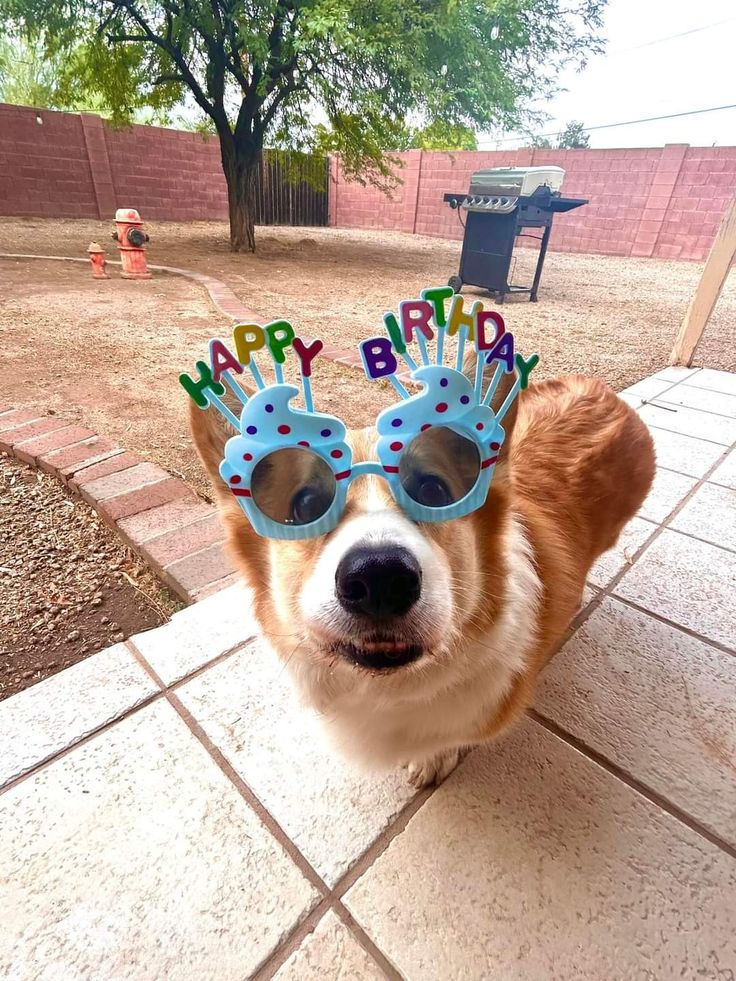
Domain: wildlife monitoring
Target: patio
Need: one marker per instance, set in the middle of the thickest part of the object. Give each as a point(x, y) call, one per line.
point(168, 813)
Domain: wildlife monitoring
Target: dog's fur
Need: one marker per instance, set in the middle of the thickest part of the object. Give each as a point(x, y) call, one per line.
point(499, 587)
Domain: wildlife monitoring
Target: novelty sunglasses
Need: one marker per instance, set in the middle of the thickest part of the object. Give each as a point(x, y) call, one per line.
point(290, 468)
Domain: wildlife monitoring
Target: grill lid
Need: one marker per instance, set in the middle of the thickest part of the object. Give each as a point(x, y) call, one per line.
point(514, 182)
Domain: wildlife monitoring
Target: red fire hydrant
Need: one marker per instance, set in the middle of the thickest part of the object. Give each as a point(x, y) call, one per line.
point(98, 260)
point(132, 244)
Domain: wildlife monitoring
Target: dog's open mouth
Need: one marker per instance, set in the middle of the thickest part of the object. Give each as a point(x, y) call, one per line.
point(380, 654)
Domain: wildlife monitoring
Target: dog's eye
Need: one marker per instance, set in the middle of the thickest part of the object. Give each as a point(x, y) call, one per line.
point(439, 467)
point(429, 490)
point(309, 504)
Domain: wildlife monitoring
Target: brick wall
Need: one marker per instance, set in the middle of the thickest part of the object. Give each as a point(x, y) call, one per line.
point(44, 167)
point(665, 202)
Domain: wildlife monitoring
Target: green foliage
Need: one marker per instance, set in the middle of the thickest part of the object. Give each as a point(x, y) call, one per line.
point(265, 65)
point(573, 137)
point(438, 136)
point(264, 70)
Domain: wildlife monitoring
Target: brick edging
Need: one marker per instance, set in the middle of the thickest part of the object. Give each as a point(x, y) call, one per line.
point(159, 516)
point(221, 295)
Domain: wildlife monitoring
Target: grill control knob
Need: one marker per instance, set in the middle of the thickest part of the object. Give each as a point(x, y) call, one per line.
point(504, 200)
point(494, 202)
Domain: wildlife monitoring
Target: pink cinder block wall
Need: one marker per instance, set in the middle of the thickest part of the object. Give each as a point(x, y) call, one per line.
point(665, 202)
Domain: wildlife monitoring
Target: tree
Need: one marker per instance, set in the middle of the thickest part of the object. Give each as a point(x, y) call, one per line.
point(263, 69)
point(437, 136)
point(573, 137)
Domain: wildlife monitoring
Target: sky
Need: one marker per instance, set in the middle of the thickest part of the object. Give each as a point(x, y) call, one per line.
point(646, 71)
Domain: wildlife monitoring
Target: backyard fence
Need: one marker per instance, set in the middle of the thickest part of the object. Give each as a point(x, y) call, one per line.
point(291, 189)
point(75, 165)
point(660, 202)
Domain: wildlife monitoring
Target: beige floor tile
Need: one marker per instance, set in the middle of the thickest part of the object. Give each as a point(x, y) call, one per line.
point(331, 953)
point(689, 582)
point(710, 514)
point(198, 634)
point(684, 454)
point(134, 858)
point(617, 558)
point(690, 422)
point(667, 491)
point(700, 398)
point(657, 702)
point(675, 373)
point(726, 473)
point(56, 713)
point(532, 863)
point(331, 809)
point(633, 400)
point(717, 381)
point(648, 388)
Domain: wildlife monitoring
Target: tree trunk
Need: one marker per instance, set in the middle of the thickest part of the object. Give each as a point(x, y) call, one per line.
point(241, 169)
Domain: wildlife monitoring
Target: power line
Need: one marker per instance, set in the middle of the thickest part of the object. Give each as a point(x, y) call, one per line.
point(670, 37)
point(628, 122)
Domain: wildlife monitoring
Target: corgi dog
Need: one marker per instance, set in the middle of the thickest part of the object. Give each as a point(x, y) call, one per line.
point(416, 641)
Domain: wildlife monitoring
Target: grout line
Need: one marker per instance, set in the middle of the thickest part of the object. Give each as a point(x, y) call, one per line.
point(700, 388)
point(381, 843)
point(708, 641)
point(697, 538)
point(693, 408)
point(677, 432)
point(631, 781)
point(364, 940)
point(283, 951)
point(88, 737)
point(265, 816)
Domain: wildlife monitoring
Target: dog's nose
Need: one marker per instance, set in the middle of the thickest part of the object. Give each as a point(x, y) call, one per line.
point(380, 581)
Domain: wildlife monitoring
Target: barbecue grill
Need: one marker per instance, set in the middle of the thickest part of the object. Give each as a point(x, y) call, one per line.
point(500, 203)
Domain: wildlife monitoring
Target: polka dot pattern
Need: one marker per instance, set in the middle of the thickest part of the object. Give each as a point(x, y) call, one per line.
point(396, 423)
point(464, 399)
point(251, 430)
point(269, 408)
point(441, 407)
point(235, 479)
point(397, 446)
point(284, 429)
point(325, 433)
point(336, 454)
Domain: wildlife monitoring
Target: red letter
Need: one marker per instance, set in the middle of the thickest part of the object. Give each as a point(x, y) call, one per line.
point(307, 353)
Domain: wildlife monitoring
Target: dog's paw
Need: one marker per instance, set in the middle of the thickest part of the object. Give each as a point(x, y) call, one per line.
point(434, 769)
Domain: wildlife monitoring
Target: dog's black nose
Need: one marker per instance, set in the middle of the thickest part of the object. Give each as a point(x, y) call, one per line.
point(378, 581)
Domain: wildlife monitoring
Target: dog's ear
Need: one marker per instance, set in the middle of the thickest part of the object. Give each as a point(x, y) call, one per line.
point(504, 387)
point(210, 434)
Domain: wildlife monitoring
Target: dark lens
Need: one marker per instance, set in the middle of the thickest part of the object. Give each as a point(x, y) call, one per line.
point(439, 467)
point(293, 486)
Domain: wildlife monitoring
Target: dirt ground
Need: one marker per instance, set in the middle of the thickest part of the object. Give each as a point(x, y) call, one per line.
point(108, 353)
point(69, 586)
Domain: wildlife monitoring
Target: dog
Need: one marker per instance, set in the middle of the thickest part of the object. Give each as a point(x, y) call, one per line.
point(416, 641)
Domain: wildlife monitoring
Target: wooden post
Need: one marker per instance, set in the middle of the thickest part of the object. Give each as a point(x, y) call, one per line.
point(709, 289)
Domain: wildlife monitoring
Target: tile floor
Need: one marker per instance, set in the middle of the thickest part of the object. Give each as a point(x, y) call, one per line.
point(160, 821)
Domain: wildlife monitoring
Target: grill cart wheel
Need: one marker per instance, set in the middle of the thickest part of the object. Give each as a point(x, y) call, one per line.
point(456, 283)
